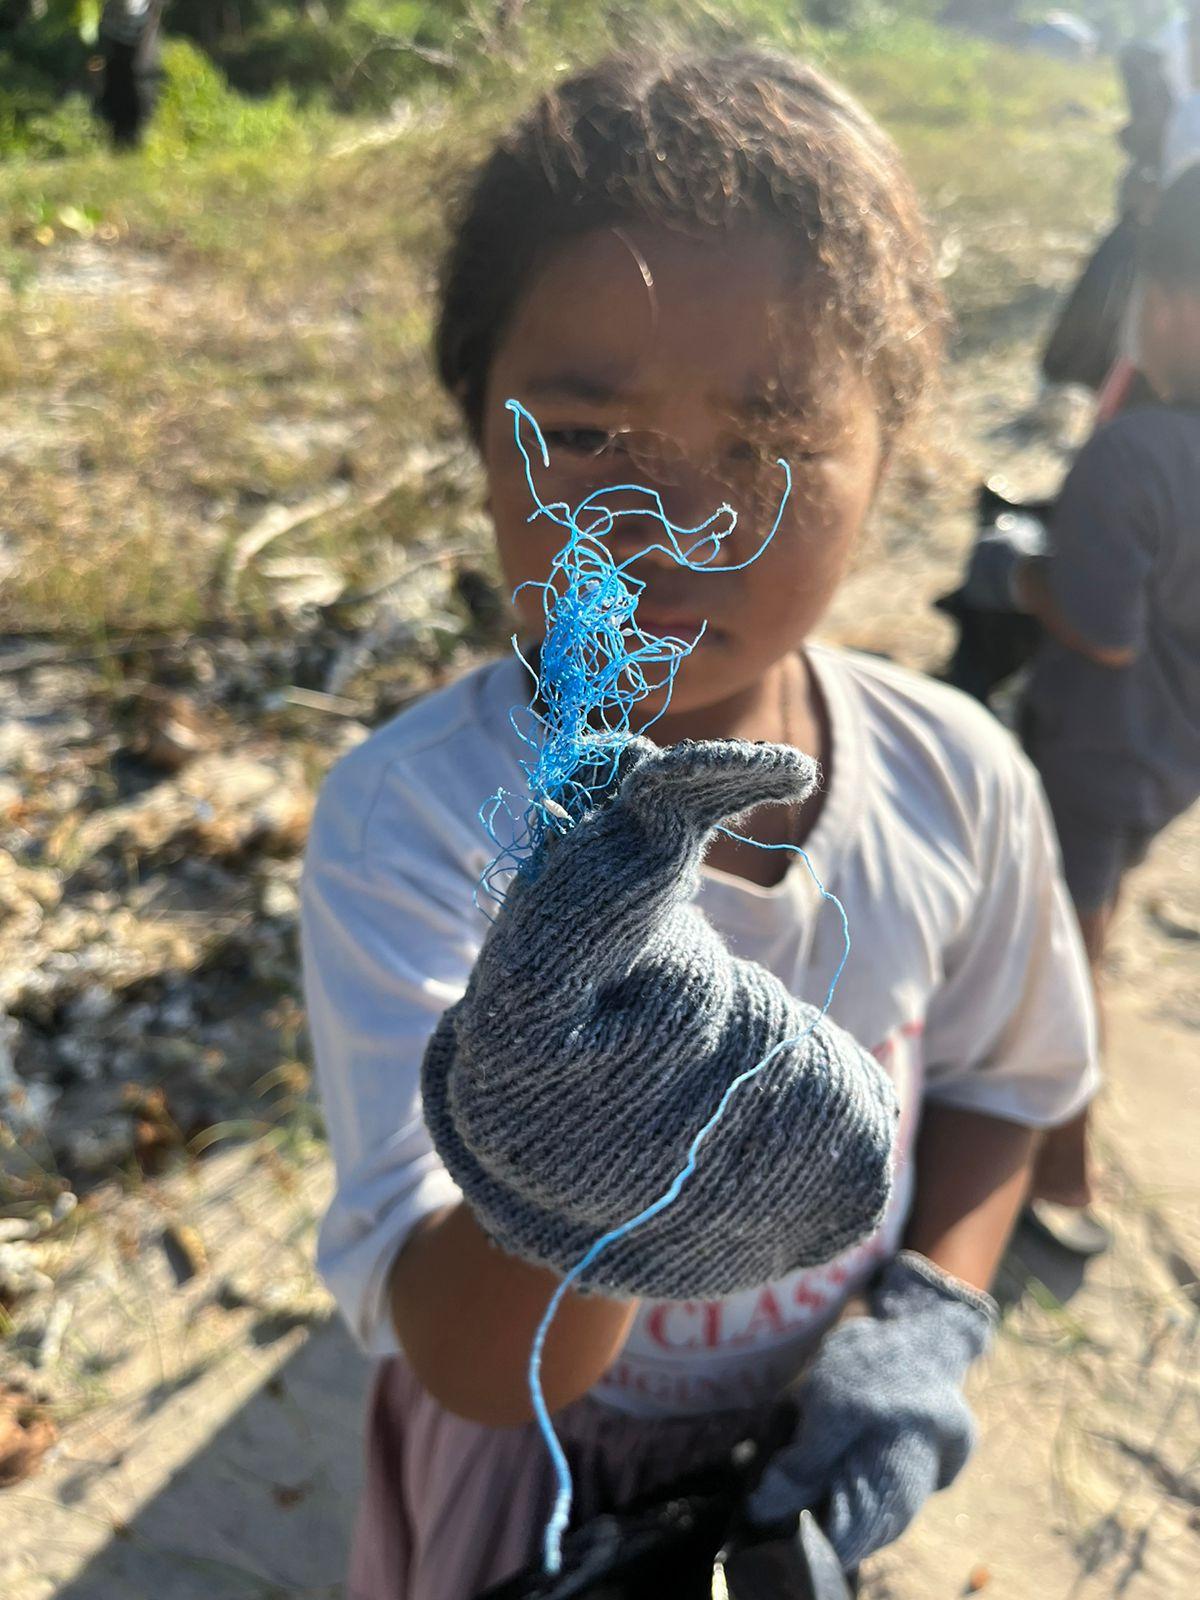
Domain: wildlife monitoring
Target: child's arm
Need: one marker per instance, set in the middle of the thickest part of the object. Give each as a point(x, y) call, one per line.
point(1035, 594)
point(972, 1174)
point(1090, 593)
point(389, 940)
point(1010, 1041)
point(466, 1314)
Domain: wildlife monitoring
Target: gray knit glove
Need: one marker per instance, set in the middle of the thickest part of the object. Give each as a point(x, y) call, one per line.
point(601, 1025)
point(883, 1420)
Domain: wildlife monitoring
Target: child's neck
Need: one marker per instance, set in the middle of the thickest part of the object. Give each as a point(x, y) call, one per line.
point(776, 708)
point(784, 707)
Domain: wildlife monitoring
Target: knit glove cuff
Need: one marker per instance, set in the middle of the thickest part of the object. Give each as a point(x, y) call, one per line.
point(911, 1283)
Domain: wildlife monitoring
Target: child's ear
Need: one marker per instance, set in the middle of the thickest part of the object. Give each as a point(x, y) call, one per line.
point(1155, 309)
point(1189, 314)
point(1187, 345)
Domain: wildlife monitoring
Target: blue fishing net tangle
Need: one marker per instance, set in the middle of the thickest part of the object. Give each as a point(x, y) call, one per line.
point(596, 665)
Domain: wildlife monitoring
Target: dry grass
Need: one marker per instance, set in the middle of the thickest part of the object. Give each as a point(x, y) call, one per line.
point(185, 341)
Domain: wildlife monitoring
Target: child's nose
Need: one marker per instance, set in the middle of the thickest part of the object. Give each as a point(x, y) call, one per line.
point(693, 497)
point(697, 507)
point(643, 533)
point(667, 492)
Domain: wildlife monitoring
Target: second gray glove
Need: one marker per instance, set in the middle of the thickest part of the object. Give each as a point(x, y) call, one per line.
point(883, 1422)
point(601, 1026)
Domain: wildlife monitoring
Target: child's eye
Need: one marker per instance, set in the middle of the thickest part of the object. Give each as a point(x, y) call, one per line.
point(742, 450)
point(748, 456)
point(588, 442)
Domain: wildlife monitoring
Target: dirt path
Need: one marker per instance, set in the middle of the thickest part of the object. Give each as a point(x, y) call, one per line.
point(216, 1454)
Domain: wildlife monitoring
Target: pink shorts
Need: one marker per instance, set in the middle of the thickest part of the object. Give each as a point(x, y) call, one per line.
point(450, 1507)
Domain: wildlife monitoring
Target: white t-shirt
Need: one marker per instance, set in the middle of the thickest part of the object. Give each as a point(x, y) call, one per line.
point(1173, 46)
point(1181, 144)
point(966, 977)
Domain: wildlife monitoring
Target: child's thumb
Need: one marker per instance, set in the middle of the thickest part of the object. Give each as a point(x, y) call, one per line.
point(693, 786)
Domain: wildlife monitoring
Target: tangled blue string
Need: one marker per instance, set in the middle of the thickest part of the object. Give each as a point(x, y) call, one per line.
point(595, 667)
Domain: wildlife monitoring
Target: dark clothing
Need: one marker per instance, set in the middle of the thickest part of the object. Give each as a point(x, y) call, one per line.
point(1095, 855)
point(1086, 337)
point(129, 46)
point(1151, 100)
point(1121, 746)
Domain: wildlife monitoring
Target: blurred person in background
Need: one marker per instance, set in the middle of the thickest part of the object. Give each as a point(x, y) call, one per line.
point(1163, 138)
point(1094, 340)
point(129, 49)
point(1111, 715)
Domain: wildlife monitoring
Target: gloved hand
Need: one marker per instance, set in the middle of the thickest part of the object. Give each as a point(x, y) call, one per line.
point(883, 1420)
point(601, 1026)
point(1000, 550)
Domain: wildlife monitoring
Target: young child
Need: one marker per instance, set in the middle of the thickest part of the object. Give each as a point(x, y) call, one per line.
point(686, 269)
point(1112, 712)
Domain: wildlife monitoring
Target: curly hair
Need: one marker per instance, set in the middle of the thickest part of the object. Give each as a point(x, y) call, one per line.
point(700, 143)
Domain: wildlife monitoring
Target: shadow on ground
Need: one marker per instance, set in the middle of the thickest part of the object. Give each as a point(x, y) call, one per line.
point(1032, 1258)
point(263, 1511)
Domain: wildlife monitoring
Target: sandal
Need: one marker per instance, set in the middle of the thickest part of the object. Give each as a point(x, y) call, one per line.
point(1076, 1229)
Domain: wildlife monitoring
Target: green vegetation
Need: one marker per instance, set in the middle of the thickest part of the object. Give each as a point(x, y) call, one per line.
point(238, 313)
point(359, 56)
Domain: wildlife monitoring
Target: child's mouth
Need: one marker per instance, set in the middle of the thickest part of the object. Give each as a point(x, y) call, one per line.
point(665, 626)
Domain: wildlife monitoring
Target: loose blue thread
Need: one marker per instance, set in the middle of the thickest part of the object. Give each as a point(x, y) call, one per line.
point(595, 667)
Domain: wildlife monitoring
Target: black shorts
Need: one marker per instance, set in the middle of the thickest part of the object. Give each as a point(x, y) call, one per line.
point(1096, 858)
point(1096, 851)
point(1096, 855)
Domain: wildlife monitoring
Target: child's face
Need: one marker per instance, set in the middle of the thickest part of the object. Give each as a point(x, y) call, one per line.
point(1169, 341)
point(689, 365)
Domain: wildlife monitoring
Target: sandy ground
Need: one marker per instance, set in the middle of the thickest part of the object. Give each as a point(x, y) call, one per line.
point(214, 1446)
point(219, 1457)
